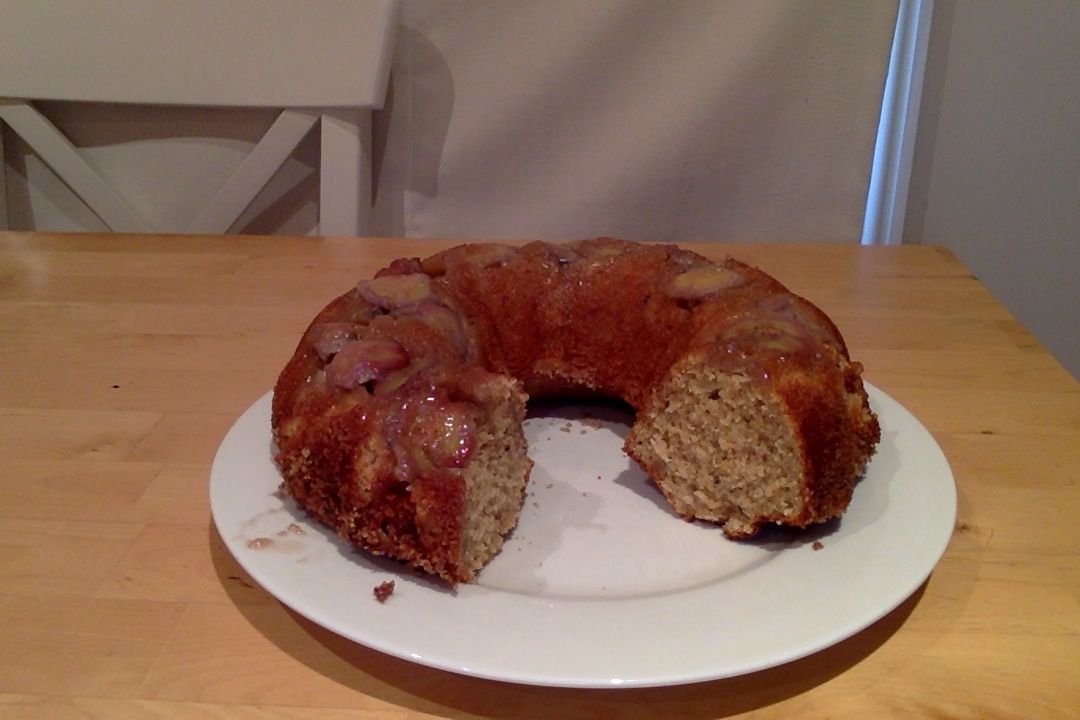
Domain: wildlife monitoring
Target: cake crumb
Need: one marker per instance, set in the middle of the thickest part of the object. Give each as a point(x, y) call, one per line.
point(817, 545)
point(384, 590)
point(593, 423)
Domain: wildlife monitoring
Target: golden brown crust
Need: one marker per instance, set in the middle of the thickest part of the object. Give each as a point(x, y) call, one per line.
point(604, 317)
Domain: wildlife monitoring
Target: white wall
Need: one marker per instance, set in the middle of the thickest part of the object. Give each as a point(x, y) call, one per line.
point(996, 175)
point(746, 120)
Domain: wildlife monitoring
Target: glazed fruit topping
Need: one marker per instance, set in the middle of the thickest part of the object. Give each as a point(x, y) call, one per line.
point(607, 251)
point(445, 433)
point(563, 254)
point(800, 316)
point(760, 336)
point(402, 378)
point(429, 432)
point(361, 361)
point(327, 339)
point(481, 255)
point(596, 255)
point(489, 254)
point(401, 266)
point(394, 291)
point(703, 281)
point(442, 320)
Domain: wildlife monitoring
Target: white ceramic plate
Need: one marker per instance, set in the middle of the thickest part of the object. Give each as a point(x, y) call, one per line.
point(601, 585)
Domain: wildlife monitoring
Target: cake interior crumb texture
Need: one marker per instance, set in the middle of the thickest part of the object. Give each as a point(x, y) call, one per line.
point(721, 450)
point(494, 482)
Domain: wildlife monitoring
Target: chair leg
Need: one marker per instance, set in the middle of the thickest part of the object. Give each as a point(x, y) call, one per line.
point(345, 191)
point(61, 155)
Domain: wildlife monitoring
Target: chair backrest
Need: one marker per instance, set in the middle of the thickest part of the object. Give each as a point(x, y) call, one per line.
point(326, 61)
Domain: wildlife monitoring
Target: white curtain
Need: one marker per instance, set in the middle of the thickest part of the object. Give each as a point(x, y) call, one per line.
point(739, 121)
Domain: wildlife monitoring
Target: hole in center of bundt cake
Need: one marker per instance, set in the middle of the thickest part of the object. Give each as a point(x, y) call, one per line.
point(593, 525)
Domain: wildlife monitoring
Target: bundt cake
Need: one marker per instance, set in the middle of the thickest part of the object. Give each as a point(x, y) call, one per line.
point(398, 420)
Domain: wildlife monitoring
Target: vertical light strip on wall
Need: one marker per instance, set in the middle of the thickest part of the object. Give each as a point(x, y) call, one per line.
point(890, 173)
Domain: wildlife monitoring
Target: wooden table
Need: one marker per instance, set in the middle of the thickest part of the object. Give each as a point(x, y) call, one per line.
point(124, 359)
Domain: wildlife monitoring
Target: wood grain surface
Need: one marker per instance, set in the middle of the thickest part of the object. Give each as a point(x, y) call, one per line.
point(124, 359)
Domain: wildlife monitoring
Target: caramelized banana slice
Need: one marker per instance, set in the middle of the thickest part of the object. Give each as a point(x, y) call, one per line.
point(364, 360)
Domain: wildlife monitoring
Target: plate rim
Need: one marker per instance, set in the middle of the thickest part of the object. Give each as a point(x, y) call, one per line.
point(263, 573)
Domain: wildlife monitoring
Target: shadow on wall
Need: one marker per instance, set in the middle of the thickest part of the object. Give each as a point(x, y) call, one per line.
point(404, 160)
point(929, 121)
point(167, 162)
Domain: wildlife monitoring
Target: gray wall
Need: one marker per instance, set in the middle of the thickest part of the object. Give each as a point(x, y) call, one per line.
point(996, 175)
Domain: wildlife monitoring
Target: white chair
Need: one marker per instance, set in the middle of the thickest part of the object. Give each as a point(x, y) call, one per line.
point(326, 62)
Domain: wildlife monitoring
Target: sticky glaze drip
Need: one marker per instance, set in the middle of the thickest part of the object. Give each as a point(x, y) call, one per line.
point(428, 432)
point(761, 340)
